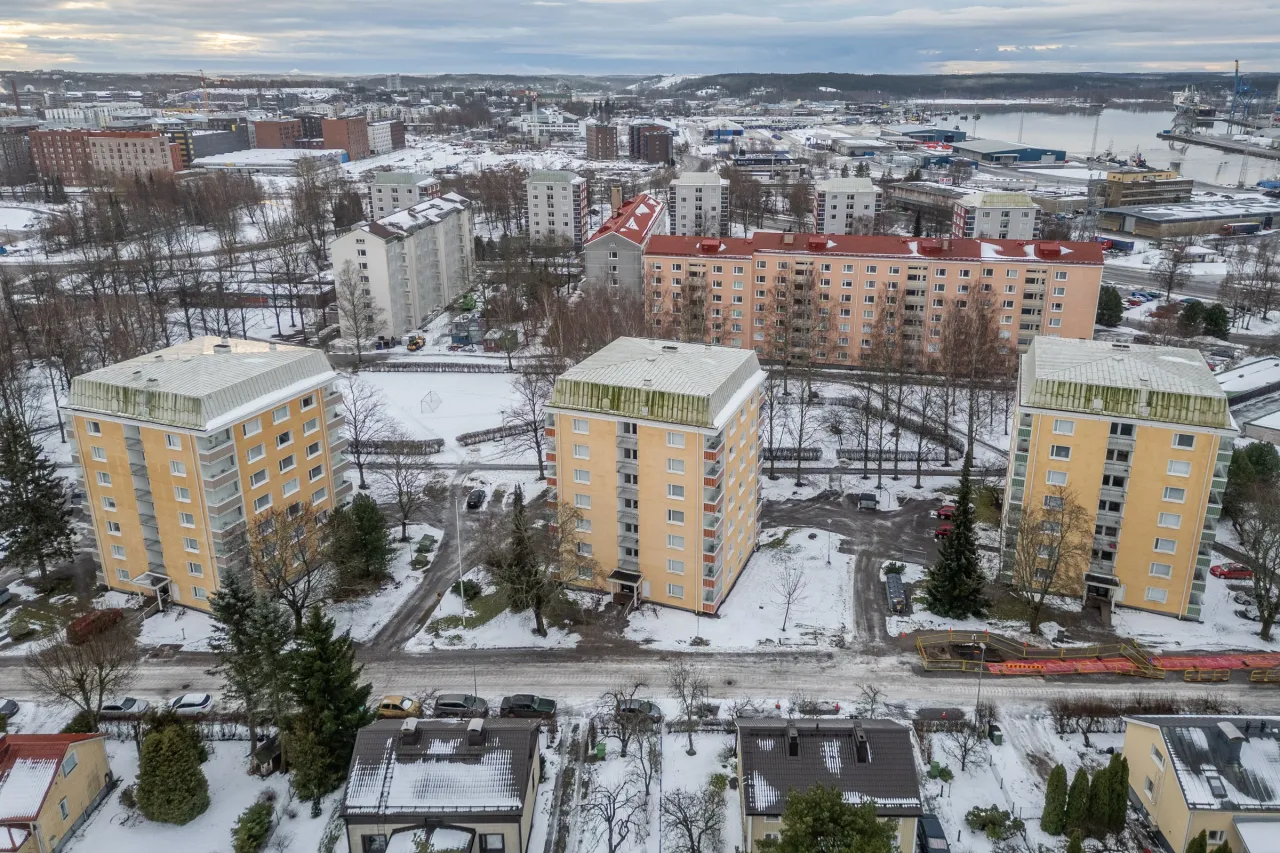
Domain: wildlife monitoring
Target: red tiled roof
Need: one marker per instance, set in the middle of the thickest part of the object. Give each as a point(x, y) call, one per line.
point(944, 249)
point(635, 220)
point(30, 755)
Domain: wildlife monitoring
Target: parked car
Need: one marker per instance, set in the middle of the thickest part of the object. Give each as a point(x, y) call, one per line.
point(868, 500)
point(398, 708)
point(192, 704)
point(460, 705)
point(8, 708)
point(124, 708)
point(947, 511)
point(527, 705)
point(635, 709)
point(475, 500)
point(1232, 571)
point(930, 836)
point(943, 531)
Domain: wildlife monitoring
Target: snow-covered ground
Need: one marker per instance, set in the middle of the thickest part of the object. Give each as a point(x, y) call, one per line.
point(363, 617)
point(753, 614)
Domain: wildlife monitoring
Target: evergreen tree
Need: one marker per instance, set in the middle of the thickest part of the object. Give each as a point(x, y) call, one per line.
point(953, 585)
point(1224, 847)
point(1199, 844)
point(35, 521)
point(308, 761)
point(844, 170)
point(1119, 811)
point(1217, 322)
point(820, 819)
point(360, 545)
point(1255, 464)
point(1099, 803)
point(864, 170)
point(1191, 319)
point(528, 581)
point(1054, 818)
point(917, 227)
point(332, 703)
point(1110, 307)
point(1078, 802)
point(171, 785)
point(1075, 845)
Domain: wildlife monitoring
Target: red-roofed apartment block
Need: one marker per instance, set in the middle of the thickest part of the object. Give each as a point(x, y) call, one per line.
point(614, 255)
point(49, 784)
point(825, 293)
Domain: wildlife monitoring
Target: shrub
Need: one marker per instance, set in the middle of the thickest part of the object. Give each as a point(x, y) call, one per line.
point(81, 724)
point(719, 782)
point(468, 590)
point(894, 568)
point(4, 723)
point(171, 786)
point(249, 835)
point(993, 821)
point(82, 628)
point(128, 797)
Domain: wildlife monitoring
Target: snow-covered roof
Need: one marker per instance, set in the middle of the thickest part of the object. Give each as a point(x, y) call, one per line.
point(700, 179)
point(416, 767)
point(996, 198)
point(1223, 763)
point(846, 185)
point(554, 176)
point(1255, 373)
point(1191, 211)
point(635, 220)
point(411, 219)
point(28, 766)
point(881, 246)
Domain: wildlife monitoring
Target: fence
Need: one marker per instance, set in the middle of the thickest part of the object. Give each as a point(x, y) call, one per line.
point(409, 447)
point(855, 454)
point(910, 421)
point(434, 367)
point(469, 438)
point(791, 454)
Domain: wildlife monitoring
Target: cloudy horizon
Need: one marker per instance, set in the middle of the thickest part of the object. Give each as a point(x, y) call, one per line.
point(646, 37)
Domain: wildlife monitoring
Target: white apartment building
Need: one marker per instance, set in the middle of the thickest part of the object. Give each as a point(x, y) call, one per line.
point(380, 137)
point(557, 203)
point(998, 215)
point(845, 206)
point(413, 261)
point(698, 205)
point(394, 191)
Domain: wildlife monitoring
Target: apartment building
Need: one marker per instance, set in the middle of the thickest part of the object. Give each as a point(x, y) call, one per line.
point(386, 136)
point(998, 215)
point(123, 154)
point(845, 206)
point(394, 191)
point(602, 142)
point(698, 205)
point(614, 254)
point(16, 166)
point(413, 261)
point(826, 293)
point(277, 133)
point(1125, 187)
point(350, 133)
point(179, 450)
point(1140, 436)
point(556, 203)
point(654, 445)
point(649, 142)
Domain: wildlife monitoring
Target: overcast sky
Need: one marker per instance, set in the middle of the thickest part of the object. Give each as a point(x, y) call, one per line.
point(638, 36)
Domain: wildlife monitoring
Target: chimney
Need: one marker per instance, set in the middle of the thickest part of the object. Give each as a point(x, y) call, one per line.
point(793, 742)
point(615, 197)
point(862, 749)
point(1233, 740)
point(409, 732)
point(475, 732)
point(946, 244)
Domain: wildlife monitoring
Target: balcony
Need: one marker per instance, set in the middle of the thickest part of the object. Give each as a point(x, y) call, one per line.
point(628, 540)
point(342, 490)
point(711, 546)
point(712, 497)
point(629, 490)
point(221, 477)
point(1120, 469)
point(628, 466)
point(1110, 493)
point(339, 444)
point(228, 532)
point(712, 473)
point(711, 570)
point(225, 503)
point(711, 520)
point(713, 443)
point(1106, 543)
point(631, 564)
point(1120, 442)
point(212, 451)
point(628, 516)
point(629, 441)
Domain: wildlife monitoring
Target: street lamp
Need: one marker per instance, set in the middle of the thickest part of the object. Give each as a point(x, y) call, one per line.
point(982, 668)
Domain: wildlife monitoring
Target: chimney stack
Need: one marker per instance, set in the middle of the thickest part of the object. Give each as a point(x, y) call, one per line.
point(862, 749)
point(475, 732)
point(409, 732)
point(793, 742)
point(615, 198)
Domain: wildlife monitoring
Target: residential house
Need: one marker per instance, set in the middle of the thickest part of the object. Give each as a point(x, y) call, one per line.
point(556, 203)
point(614, 254)
point(49, 785)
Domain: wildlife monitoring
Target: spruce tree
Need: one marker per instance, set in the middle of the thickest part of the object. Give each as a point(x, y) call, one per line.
point(1224, 847)
point(1199, 844)
point(1098, 819)
point(1054, 818)
point(360, 543)
point(1118, 804)
point(35, 521)
point(234, 646)
point(171, 785)
point(1110, 307)
point(953, 585)
point(1075, 845)
point(1078, 802)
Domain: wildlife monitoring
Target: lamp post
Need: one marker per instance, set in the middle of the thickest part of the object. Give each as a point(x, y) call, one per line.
point(457, 526)
point(982, 668)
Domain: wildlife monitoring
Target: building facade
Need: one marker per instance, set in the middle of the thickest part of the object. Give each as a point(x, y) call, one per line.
point(394, 191)
point(653, 446)
point(602, 142)
point(845, 206)
point(413, 262)
point(16, 165)
point(614, 254)
point(386, 136)
point(277, 133)
point(649, 143)
point(698, 205)
point(179, 450)
point(123, 154)
point(1138, 436)
point(351, 134)
point(827, 293)
point(1129, 187)
point(49, 785)
point(997, 216)
point(556, 203)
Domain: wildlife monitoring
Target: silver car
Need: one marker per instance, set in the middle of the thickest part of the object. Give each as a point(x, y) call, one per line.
point(124, 708)
point(192, 704)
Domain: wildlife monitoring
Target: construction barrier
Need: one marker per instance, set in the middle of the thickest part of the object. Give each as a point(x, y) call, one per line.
point(1265, 676)
point(1206, 675)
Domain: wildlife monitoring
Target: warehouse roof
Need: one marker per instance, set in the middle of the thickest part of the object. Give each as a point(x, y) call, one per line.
point(204, 384)
point(1193, 211)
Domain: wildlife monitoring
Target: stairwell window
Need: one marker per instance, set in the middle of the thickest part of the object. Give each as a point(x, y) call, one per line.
point(675, 567)
point(1056, 478)
point(1169, 519)
point(113, 527)
point(93, 427)
point(1161, 570)
point(182, 494)
point(195, 569)
point(186, 519)
point(104, 479)
point(582, 501)
point(675, 492)
point(117, 551)
point(675, 439)
point(1184, 441)
point(675, 516)
point(190, 544)
point(676, 543)
point(109, 504)
point(675, 590)
point(582, 475)
point(580, 425)
point(1174, 494)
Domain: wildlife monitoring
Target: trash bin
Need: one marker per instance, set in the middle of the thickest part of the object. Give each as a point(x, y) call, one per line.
point(600, 750)
point(994, 733)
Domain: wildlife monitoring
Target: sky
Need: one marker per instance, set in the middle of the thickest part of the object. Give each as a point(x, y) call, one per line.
point(647, 37)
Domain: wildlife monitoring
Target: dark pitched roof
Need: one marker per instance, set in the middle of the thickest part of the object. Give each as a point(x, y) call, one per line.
point(430, 768)
point(828, 755)
point(1223, 763)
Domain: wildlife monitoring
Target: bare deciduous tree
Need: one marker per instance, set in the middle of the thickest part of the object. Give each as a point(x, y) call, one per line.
point(1051, 552)
point(531, 391)
point(84, 674)
point(1173, 271)
point(614, 810)
point(358, 314)
point(790, 584)
point(288, 557)
point(623, 727)
point(872, 699)
point(967, 744)
point(365, 411)
point(689, 687)
point(693, 821)
point(646, 761)
point(413, 480)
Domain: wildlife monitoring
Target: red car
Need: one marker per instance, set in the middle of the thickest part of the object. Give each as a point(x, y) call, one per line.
point(1232, 571)
point(943, 531)
point(946, 511)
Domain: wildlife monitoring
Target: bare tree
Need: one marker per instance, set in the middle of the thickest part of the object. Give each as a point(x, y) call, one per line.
point(1054, 541)
point(531, 392)
point(693, 821)
point(967, 744)
point(288, 557)
point(358, 314)
point(84, 674)
point(365, 411)
point(1173, 271)
point(789, 585)
point(413, 480)
point(872, 700)
point(802, 423)
point(623, 727)
point(1259, 526)
point(689, 687)
point(646, 761)
point(614, 810)
point(775, 421)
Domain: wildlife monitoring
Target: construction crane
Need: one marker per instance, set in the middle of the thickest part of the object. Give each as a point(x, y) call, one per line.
point(1243, 101)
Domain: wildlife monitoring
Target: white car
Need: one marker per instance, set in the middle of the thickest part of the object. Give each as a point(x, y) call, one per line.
point(192, 704)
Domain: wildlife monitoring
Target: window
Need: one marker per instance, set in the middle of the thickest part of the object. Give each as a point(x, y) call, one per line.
point(182, 494)
point(252, 427)
point(315, 473)
point(1149, 787)
point(1063, 427)
point(581, 475)
point(257, 478)
point(1174, 494)
point(582, 501)
point(109, 504)
point(313, 449)
point(675, 567)
point(675, 439)
point(122, 575)
point(311, 426)
point(1161, 570)
point(256, 452)
point(675, 590)
point(308, 402)
point(1122, 430)
point(675, 542)
point(195, 569)
point(117, 551)
point(284, 438)
point(198, 593)
point(1053, 502)
point(580, 425)
point(93, 427)
point(318, 495)
point(584, 549)
point(675, 466)
point(581, 451)
point(190, 544)
point(290, 487)
point(104, 479)
point(1165, 546)
point(186, 519)
point(492, 842)
point(287, 463)
point(1056, 478)
point(280, 414)
point(1157, 757)
point(1059, 451)
point(1184, 441)
point(1217, 836)
point(1159, 596)
point(675, 516)
point(583, 525)
point(1178, 468)
point(113, 527)
point(62, 804)
point(675, 491)
point(1059, 275)
point(1170, 519)
point(98, 453)
point(177, 469)
point(262, 503)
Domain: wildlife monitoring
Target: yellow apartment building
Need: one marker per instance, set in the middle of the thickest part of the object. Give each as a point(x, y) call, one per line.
point(654, 443)
point(826, 293)
point(1140, 436)
point(178, 450)
point(1219, 775)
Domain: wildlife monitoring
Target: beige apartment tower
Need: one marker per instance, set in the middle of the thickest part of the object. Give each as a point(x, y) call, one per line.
point(179, 450)
point(654, 444)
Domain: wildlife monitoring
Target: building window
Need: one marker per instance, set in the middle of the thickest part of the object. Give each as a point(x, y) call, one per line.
point(583, 525)
point(581, 451)
point(319, 495)
point(311, 426)
point(675, 466)
point(1184, 441)
point(182, 494)
point(1178, 468)
point(93, 427)
point(1056, 478)
point(1053, 502)
point(262, 503)
point(675, 439)
point(1161, 570)
point(675, 516)
point(198, 593)
point(584, 549)
point(1165, 546)
point(287, 463)
point(290, 487)
point(122, 575)
point(113, 527)
point(492, 842)
point(1159, 596)
point(580, 425)
point(308, 401)
point(1174, 494)
point(675, 492)
point(190, 544)
point(1059, 451)
point(256, 452)
point(257, 478)
point(285, 438)
point(675, 590)
point(1170, 519)
point(675, 567)
point(195, 569)
point(581, 475)
point(1157, 757)
point(252, 427)
point(177, 469)
point(1149, 787)
point(582, 501)
point(104, 479)
point(1217, 836)
point(109, 504)
point(315, 473)
point(186, 519)
point(98, 453)
point(676, 543)
point(313, 449)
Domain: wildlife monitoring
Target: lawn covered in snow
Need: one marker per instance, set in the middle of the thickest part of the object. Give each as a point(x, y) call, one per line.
point(752, 615)
point(363, 617)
